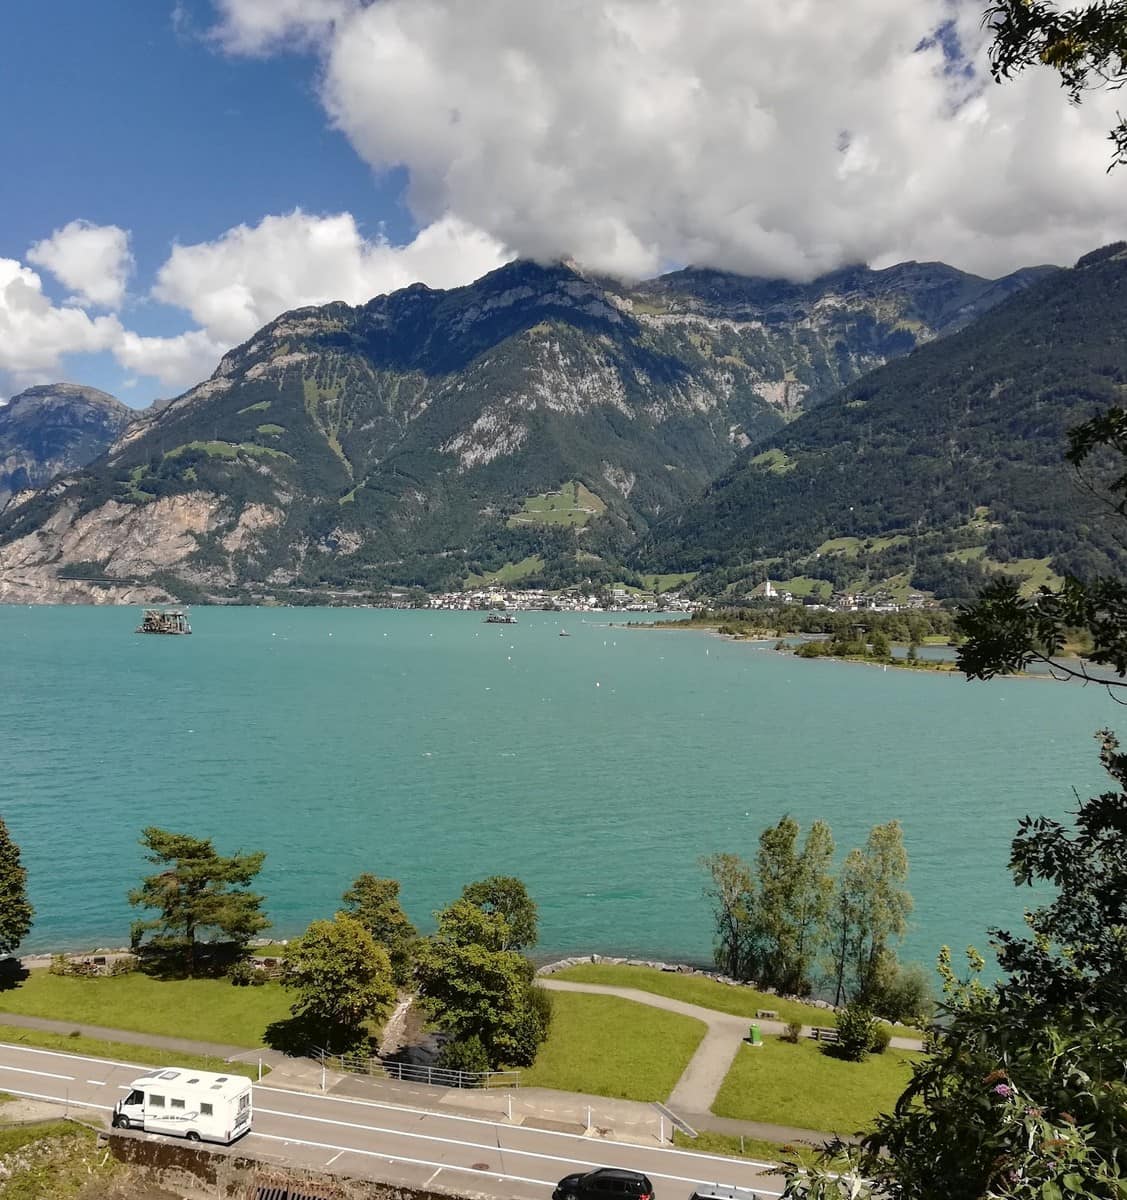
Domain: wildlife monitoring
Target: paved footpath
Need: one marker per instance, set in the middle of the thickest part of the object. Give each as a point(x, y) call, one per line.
point(174, 1045)
point(695, 1092)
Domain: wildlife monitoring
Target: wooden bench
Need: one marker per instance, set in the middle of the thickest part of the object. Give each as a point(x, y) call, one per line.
point(766, 1014)
point(821, 1033)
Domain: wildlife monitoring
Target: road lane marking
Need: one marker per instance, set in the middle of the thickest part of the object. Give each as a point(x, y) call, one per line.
point(412, 1162)
point(97, 1082)
point(59, 1099)
point(426, 1137)
point(421, 1112)
point(29, 1071)
point(432, 1178)
point(415, 1162)
point(510, 1150)
point(499, 1125)
point(334, 1158)
point(113, 1062)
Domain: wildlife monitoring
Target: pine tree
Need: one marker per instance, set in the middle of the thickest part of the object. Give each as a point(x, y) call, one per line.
point(16, 912)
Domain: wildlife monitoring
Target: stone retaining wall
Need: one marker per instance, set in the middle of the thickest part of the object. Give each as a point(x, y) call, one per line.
point(200, 1172)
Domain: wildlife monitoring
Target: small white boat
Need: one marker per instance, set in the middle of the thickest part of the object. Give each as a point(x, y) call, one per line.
point(564, 633)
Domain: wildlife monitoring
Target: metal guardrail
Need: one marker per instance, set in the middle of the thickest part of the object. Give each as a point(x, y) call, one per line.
point(355, 1064)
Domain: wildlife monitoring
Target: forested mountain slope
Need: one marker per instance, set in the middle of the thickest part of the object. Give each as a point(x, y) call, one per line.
point(536, 416)
point(936, 468)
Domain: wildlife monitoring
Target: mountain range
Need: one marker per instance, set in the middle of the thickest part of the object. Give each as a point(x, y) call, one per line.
point(938, 469)
point(540, 423)
point(51, 429)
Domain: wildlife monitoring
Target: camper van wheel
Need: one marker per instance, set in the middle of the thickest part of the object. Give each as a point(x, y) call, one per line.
point(192, 1136)
point(119, 1121)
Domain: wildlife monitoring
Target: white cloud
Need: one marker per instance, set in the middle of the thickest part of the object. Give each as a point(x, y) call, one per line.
point(255, 26)
point(232, 286)
point(35, 334)
point(93, 260)
point(178, 362)
point(776, 137)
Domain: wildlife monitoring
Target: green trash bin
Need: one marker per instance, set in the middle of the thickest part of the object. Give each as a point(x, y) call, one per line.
point(754, 1037)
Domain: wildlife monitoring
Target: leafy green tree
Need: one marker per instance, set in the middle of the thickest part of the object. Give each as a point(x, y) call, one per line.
point(813, 901)
point(1025, 1095)
point(468, 1055)
point(374, 902)
point(1077, 952)
point(1086, 44)
point(884, 909)
point(730, 890)
point(343, 981)
point(197, 890)
point(774, 936)
point(845, 922)
point(475, 986)
point(772, 919)
point(16, 913)
point(509, 898)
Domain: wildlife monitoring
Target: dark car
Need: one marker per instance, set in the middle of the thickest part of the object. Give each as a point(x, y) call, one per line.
point(607, 1183)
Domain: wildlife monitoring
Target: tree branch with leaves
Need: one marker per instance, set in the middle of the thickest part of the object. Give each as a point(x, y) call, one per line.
point(1085, 44)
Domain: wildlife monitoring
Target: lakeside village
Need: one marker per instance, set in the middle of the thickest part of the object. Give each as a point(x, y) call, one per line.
point(631, 600)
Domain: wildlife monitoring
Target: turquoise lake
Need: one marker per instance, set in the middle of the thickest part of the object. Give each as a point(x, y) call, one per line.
point(436, 749)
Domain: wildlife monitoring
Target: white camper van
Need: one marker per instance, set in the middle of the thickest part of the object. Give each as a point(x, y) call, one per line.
point(197, 1105)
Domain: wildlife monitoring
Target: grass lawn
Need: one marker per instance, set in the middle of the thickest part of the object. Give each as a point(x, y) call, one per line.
point(121, 1051)
point(573, 505)
point(511, 572)
point(665, 583)
point(693, 989)
point(208, 1010)
point(746, 1147)
point(800, 1085)
point(613, 1047)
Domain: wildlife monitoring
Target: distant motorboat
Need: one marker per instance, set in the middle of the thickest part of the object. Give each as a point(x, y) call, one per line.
point(564, 633)
point(500, 619)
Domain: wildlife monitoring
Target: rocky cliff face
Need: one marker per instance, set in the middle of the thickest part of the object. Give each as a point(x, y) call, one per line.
point(537, 415)
point(58, 427)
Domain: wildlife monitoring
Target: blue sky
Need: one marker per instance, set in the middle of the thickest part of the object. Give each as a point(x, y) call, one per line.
point(176, 173)
point(128, 116)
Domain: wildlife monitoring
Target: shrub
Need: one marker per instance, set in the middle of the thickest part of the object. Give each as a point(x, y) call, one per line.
point(882, 1035)
point(467, 1055)
point(793, 1032)
point(900, 993)
point(855, 1031)
point(59, 965)
point(125, 965)
point(242, 974)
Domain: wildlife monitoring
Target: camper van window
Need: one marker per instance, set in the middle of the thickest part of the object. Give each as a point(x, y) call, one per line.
point(135, 1098)
point(155, 1100)
point(244, 1101)
point(177, 1103)
point(205, 1110)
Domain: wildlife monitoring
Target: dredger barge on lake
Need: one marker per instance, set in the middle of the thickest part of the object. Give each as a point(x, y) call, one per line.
point(158, 620)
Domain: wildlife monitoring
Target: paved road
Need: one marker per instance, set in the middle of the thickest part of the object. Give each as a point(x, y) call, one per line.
point(393, 1142)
